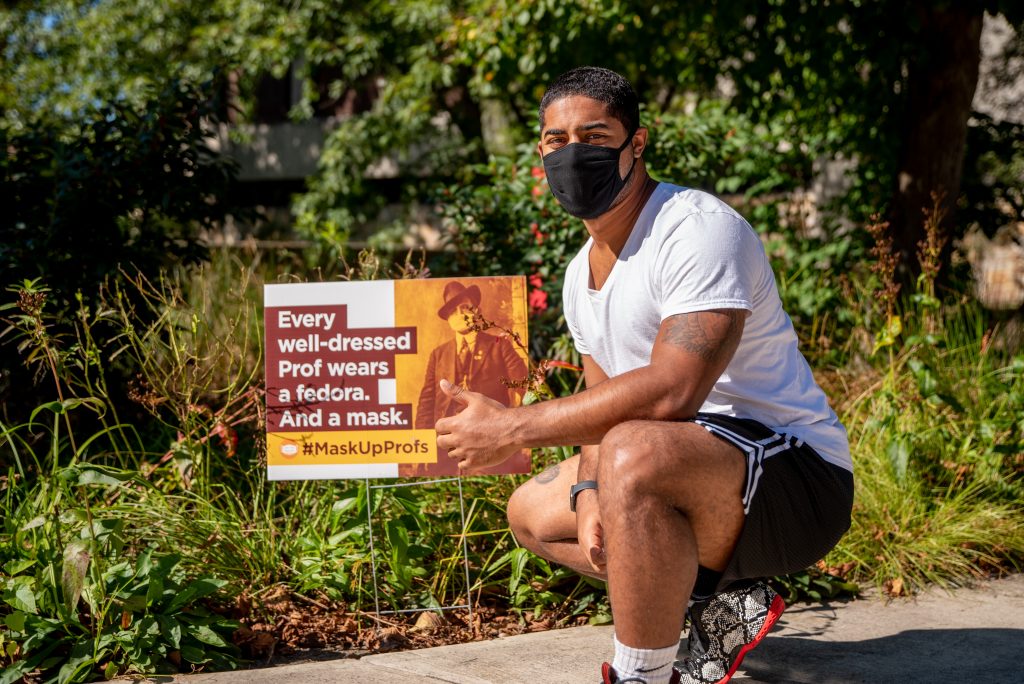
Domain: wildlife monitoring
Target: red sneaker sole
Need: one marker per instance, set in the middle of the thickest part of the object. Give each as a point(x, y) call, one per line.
point(774, 613)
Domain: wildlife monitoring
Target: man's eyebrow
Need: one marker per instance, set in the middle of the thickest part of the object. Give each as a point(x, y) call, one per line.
point(593, 125)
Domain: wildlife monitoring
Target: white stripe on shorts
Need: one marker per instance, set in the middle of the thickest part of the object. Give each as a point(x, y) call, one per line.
point(756, 450)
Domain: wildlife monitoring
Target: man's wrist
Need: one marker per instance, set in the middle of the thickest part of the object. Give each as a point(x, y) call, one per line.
point(513, 432)
point(586, 499)
point(579, 488)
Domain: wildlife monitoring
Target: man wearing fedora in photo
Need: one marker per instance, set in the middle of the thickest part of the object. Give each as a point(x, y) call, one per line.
point(473, 359)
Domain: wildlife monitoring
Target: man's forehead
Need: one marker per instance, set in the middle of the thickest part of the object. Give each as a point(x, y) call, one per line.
point(576, 112)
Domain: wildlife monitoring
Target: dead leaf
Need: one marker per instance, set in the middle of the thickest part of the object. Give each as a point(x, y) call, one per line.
point(428, 621)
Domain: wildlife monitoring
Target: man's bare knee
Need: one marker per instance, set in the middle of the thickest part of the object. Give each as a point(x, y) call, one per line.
point(519, 520)
point(626, 466)
point(539, 517)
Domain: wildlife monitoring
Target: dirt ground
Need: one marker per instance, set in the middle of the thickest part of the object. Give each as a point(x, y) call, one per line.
point(285, 628)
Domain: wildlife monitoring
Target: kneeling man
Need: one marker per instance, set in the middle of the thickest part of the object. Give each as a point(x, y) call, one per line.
point(711, 459)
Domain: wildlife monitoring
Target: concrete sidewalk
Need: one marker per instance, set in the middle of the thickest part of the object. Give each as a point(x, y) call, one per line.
point(972, 635)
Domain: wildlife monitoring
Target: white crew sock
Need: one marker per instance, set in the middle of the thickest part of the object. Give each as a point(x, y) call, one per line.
point(650, 665)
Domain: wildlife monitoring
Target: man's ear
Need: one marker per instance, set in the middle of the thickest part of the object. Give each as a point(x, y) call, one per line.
point(540, 151)
point(640, 141)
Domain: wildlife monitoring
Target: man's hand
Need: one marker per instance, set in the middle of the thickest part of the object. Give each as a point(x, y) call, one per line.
point(589, 533)
point(479, 435)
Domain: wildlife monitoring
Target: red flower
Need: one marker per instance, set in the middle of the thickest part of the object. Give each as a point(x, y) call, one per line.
point(538, 298)
point(537, 234)
point(538, 301)
point(537, 191)
point(537, 172)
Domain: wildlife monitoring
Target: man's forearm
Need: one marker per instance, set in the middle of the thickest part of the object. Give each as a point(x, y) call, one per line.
point(646, 393)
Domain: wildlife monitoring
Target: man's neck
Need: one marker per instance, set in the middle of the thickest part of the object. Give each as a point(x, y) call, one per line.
point(611, 229)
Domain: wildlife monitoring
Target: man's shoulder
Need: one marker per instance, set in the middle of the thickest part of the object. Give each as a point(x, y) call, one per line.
point(448, 345)
point(700, 222)
point(680, 203)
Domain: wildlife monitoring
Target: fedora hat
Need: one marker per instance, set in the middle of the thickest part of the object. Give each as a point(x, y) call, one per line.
point(456, 293)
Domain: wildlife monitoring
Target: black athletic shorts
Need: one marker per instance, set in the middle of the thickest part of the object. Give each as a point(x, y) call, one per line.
point(797, 504)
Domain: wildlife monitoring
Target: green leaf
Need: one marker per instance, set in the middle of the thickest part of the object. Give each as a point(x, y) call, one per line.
point(20, 595)
point(886, 337)
point(343, 505)
point(16, 672)
point(148, 626)
point(136, 603)
point(927, 384)
point(171, 629)
point(206, 635)
point(54, 406)
point(15, 566)
point(154, 590)
point(899, 456)
point(35, 522)
point(95, 475)
point(61, 407)
point(80, 658)
point(193, 654)
point(518, 560)
point(15, 621)
point(74, 568)
point(398, 537)
point(196, 589)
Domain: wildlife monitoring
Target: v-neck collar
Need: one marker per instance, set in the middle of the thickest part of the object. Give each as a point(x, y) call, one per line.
point(627, 249)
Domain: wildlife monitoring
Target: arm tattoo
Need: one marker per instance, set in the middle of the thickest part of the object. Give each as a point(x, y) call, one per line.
point(548, 475)
point(694, 332)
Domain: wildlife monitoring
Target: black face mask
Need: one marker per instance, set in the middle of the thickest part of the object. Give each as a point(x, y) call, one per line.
point(585, 178)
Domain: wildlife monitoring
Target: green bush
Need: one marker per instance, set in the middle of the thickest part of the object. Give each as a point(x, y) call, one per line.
point(128, 187)
point(131, 185)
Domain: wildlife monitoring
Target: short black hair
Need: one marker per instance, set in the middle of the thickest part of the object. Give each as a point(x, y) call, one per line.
point(603, 85)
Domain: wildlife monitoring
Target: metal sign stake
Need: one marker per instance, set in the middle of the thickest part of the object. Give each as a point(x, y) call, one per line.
point(468, 605)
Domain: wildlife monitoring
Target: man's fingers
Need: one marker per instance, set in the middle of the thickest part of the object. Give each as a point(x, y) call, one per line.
point(456, 392)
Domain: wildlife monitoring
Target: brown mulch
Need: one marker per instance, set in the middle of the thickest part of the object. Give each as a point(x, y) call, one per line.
point(280, 627)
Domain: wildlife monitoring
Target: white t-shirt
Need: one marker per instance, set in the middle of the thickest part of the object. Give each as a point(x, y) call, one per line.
point(689, 251)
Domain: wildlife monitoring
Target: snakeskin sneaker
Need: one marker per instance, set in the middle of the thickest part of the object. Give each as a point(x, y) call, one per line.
point(724, 628)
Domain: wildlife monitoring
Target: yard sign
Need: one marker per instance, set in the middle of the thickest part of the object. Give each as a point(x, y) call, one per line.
point(352, 371)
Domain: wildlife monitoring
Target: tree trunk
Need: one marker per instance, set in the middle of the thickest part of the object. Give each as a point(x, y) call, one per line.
point(940, 88)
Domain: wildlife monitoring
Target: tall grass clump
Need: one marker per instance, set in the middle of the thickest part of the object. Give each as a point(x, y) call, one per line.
point(83, 595)
point(936, 435)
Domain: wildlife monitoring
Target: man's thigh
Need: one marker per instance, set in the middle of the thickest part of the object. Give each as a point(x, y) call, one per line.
point(648, 466)
point(679, 461)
